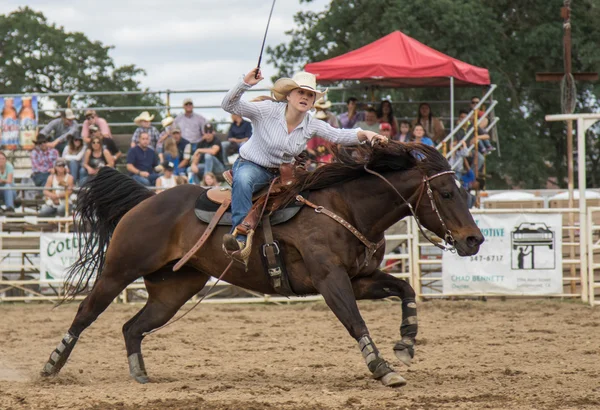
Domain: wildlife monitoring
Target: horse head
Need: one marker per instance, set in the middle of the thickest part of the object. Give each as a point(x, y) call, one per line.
point(443, 209)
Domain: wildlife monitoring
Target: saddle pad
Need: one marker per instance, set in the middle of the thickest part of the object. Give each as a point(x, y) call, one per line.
point(205, 210)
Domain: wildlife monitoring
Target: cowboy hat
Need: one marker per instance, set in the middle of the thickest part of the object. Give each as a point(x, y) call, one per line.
point(321, 115)
point(145, 116)
point(302, 79)
point(167, 121)
point(322, 105)
point(40, 139)
point(69, 114)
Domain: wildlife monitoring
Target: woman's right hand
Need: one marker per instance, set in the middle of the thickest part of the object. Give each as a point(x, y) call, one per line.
point(251, 79)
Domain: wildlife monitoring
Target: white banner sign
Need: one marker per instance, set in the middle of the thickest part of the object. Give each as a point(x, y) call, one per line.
point(58, 251)
point(521, 255)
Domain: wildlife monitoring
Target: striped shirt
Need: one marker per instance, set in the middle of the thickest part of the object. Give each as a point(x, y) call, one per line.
point(271, 145)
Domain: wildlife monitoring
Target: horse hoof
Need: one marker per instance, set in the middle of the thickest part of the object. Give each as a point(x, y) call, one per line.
point(141, 379)
point(393, 380)
point(404, 356)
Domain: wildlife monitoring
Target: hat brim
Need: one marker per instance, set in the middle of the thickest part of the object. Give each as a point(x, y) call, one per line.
point(323, 106)
point(284, 86)
point(167, 121)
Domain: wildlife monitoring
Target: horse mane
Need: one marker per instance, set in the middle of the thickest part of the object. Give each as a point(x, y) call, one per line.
point(349, 164)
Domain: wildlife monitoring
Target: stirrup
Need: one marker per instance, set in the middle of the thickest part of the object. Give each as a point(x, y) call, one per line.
point(243, 253)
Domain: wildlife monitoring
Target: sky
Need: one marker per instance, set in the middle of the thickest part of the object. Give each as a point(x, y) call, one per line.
point(194, 44)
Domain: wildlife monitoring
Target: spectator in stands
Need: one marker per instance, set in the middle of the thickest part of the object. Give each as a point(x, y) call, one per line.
point(240, 131)
point(73, 154)
point(142, 160)
point(183, 148)
point(167, 124)
point(458, 160)
point(421, 136)
point(43, 157)
point(404, 134)
point(91, 118)
point(385, 129)
point(107, 143)
point(60, 128)
point(144, 123)
point(62, 184)
point(484, 146)
point(319, 149)
point(209, 180)
point(170, 154)
point(207, 157)
point(330, 118)
point(433, 126)
point(167, 180)
point(483, 122)
point(385, 113)
point(352, 116)
point(370, 123)
point(6, 181)
point(95, 157)
point(190, 123)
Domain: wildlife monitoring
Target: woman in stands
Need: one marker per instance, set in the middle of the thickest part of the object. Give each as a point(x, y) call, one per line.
point(6, 180)
point(421, 136)
point(62, 184)
point(73, 154)
point(281, 127)
point(96, 157)
point(209, 180)
point(385, 113)
point(433, 126)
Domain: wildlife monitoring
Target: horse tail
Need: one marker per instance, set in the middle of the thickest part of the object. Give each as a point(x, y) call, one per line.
point(101, 203)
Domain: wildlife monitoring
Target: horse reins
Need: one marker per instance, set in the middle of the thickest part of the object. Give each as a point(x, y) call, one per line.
point(425, 186)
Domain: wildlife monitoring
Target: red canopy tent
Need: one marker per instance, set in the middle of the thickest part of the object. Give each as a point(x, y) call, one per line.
point(398, 60)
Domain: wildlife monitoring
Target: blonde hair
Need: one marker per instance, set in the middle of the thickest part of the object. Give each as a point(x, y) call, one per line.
point(171, 147)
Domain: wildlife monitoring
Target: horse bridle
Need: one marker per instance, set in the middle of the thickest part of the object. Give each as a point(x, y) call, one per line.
point(425, 186)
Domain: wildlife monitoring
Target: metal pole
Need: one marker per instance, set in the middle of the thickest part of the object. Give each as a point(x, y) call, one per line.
point(582, 207)
point(168, 103)
point(452, 107)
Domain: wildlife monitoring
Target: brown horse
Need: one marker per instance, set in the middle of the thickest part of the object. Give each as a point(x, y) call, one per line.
point(135, 233)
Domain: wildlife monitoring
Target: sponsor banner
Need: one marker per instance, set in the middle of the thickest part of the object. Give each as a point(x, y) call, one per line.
point(18, 121)
point(58, 251)
point(521, 255)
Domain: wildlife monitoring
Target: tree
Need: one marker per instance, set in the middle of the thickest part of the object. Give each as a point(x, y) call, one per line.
point(39, 57)
point(513, 39)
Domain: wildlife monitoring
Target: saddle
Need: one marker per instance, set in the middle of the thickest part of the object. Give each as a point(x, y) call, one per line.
point(209, 202)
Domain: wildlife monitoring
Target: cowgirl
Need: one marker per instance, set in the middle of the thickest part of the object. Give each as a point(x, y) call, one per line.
point(282, 128)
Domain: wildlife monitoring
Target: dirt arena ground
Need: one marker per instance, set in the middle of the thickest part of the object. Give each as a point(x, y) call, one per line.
point(471, 355)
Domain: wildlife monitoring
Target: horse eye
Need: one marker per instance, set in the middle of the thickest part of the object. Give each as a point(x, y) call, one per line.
point(446, 195)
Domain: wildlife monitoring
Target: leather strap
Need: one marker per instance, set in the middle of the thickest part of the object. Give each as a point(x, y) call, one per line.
point(269, 241)
point(371, 246)
point(268, 249)
point(209, 229)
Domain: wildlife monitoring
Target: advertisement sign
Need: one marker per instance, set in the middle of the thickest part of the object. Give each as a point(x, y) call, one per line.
point(18, 121)
point(58, 251)
point(521, 255)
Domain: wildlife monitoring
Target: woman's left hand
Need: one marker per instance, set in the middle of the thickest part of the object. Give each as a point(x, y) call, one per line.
point(374, 138)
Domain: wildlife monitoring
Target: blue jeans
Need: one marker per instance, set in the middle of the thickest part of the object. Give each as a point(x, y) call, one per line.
point(146, 181)
point(248, 178)
point(211, 164)
point(40, 178)
point(9, 196)
point(74, 167)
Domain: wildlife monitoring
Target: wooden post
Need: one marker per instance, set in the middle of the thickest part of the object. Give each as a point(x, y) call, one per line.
point(571, 203)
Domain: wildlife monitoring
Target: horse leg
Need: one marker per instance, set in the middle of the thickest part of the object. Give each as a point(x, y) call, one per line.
point(167, 292)
point(108, 286)
point(379, 285)
point(335, 286)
